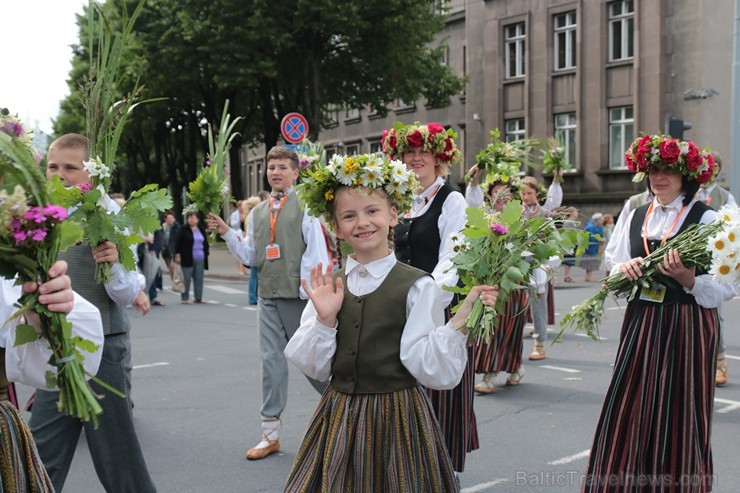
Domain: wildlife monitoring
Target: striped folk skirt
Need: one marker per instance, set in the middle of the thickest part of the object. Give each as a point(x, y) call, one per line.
point(654, 433)
point(373, 443)
point(504, 352)
point(21, 469)
point(456, 416)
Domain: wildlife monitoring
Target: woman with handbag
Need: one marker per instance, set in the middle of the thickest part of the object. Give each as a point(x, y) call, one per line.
point(191, 252)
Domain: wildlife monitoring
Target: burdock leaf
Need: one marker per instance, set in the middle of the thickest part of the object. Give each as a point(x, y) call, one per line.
point(24, 334)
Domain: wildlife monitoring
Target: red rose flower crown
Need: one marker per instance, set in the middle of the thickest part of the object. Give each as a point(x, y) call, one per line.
point(662, 150)
point(431, 137)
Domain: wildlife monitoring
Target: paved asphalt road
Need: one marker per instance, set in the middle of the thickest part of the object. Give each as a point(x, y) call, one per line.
point(197, 396)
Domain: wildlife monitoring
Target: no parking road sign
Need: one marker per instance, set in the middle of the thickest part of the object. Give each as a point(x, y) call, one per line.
point(294, 127)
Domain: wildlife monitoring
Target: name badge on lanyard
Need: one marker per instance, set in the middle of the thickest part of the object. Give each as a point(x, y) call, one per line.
point(654, 295)
point(272, 251)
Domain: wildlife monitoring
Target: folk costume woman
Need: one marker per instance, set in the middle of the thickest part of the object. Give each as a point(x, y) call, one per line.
point(422, 241)
point(504, 352)
point(380, 339)
point(655, 424)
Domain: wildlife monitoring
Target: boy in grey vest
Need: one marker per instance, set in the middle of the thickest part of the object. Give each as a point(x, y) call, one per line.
point(284, 242)
point(114, 445)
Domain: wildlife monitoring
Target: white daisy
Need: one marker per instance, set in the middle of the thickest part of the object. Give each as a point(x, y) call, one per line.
point(724, 269)
point(719, 245)
point(729, 214)
point(372, 177)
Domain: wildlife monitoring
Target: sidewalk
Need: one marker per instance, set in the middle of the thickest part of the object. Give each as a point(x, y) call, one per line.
point(222, 265)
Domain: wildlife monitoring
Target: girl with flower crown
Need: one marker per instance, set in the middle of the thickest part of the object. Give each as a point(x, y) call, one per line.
point(377, 328)
point(655, 424)
point(422, 240)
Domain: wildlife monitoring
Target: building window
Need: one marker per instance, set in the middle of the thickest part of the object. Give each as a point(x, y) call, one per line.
point(352, 113)
point(515, 129)
point(376, 147)
point(400, 104)
point(331, 114)
point(621, 133)
point(352, 149)
point(565, 132)
point(565, 40)
point(621, 30)
point(515, 50)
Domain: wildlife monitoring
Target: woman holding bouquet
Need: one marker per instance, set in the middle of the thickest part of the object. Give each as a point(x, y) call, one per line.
point(504, 352)
point(422, 241)
point(655, 424)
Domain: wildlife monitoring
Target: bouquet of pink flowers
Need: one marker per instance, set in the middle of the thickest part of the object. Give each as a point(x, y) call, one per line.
point(32, 233)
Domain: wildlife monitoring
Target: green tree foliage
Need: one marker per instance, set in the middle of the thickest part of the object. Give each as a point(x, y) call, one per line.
point(268, 57)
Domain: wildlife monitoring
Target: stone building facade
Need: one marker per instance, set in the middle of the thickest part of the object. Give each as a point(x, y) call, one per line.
point(598, 72)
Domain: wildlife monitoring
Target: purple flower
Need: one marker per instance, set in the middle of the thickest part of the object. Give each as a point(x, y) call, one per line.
point(13, 128)
point(19, 236)
point(528, 259)
point(37, 157)
point(499, 229)
point(56, 212)
point(35, 214)
point(84, 187)
point(37, 234)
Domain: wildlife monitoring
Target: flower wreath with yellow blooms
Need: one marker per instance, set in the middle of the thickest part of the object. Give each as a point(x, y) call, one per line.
point(318, 187)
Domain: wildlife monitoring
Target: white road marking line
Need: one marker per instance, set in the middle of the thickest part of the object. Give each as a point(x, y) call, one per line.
point(560, 368)
point(732, 407)
point(483, 486)
point(732, 357)
point(151, 365)
point(615, 308)
point(252, 308)
point(570, 458)
point(586, 335)
point(230, 305)
point(225, 289)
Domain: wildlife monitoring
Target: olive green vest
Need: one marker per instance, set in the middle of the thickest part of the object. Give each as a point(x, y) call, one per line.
point(81, 271)
point(367, 359)
point(280, 278)
point(638, 200)
point(718, 197)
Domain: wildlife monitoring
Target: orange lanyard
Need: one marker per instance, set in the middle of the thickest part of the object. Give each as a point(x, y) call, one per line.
point(274, 217)
point(665, 237)
point(535, 209)
point(427, 199)
point(709, 200)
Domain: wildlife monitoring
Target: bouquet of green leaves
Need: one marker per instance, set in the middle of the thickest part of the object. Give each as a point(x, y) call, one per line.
point(105, 118)
point(211, 188)
point(504, 248)
point(709, 247)
point(503, 159)
point(33, 232)
point(553, 159)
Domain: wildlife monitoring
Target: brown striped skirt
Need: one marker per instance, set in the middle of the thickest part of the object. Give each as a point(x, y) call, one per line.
point(20, 466)
point(373, 443)
point(504, 352)
point(456, 416)
point(654, 433)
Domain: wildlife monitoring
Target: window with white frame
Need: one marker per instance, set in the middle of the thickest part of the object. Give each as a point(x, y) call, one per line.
point(352, 149)
point(376, 147)
point(331, 113)
point(515, 129)
point(621, 133)
point(565, 132)
point(565, 40)
point(352, 113)
point(621, 30)
point(515, 50)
